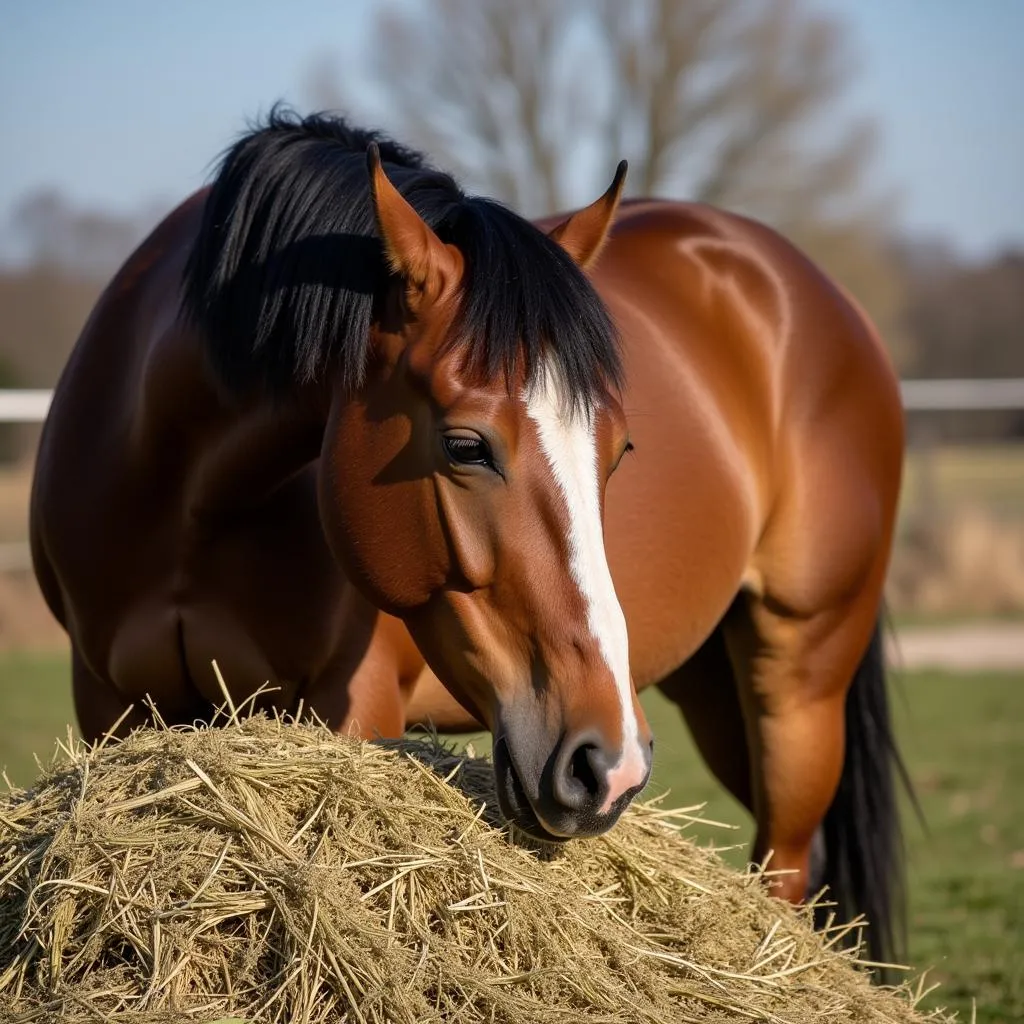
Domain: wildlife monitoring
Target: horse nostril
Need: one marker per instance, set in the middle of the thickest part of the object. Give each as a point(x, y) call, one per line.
point(580, 775)
point(581, 768)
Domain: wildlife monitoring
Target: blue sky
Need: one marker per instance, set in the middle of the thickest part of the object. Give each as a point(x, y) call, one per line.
point(121, 102)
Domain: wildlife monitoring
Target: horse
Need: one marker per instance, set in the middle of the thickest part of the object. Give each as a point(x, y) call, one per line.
point(408, 456)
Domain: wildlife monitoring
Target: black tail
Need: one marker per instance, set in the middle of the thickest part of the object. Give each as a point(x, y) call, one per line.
point(864, 868)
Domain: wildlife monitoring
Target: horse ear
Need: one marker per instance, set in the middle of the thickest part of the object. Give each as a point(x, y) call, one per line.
point(584, 234)
point(412, 249)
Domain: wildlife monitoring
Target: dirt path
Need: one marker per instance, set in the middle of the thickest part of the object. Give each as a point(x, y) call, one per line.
point(971, 646)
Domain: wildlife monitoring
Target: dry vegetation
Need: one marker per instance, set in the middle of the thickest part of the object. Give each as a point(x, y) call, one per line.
point(156, 879)
point(961, 543)
point(971, 564)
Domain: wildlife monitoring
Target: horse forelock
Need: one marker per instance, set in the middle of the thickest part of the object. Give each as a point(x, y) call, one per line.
point(527, 308)
point(287, 265)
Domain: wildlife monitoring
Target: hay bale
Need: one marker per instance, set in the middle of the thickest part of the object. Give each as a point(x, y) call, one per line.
point(277, 872)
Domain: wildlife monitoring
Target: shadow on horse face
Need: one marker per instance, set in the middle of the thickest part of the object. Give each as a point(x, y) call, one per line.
point(471, 508)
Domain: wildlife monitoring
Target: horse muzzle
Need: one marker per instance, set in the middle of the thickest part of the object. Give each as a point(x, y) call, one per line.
point(579, 789)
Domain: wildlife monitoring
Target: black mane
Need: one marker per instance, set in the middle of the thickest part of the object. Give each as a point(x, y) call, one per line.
point(284, 272)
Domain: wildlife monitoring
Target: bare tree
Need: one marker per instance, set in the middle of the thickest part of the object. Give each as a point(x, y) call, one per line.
point(731, 102)
point(536, 100)
point(47, 230)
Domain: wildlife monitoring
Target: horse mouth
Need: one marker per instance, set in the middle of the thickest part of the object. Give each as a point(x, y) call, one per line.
point(515, 804)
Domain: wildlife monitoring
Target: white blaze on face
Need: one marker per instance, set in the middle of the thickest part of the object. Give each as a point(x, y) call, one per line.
point(571, 449)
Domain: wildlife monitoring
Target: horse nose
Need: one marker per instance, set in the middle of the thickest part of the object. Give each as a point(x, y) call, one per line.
point(590, 778)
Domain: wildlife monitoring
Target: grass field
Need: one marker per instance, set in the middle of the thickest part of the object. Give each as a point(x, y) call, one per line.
point(963, 742)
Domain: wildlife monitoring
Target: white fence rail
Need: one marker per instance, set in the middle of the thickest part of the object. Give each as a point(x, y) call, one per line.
point(967, 394)
point(971, 395)
point(18, 406)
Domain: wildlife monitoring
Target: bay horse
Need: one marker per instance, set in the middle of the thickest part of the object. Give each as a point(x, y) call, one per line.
point(406, 456)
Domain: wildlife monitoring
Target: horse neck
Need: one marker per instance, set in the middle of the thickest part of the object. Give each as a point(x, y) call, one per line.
point(258, 448)
point(230, 452)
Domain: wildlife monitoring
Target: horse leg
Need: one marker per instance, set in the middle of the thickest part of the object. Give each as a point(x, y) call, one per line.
point(430, 704)
point(793, 693)
point(365, 694)
point(98, 706)
point(704, 690)
point(821, 747)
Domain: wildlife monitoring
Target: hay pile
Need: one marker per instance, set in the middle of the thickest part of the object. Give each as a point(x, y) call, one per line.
point(276, 872)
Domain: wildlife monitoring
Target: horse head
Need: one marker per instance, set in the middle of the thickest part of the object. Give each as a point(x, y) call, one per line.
point(462, 490)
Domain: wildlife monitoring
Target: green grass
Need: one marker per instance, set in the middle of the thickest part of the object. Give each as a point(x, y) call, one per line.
point(962, 737)
point(35, 709)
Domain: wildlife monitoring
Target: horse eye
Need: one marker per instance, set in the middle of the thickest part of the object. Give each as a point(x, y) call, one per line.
point(470, 451)
point(625, 451)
